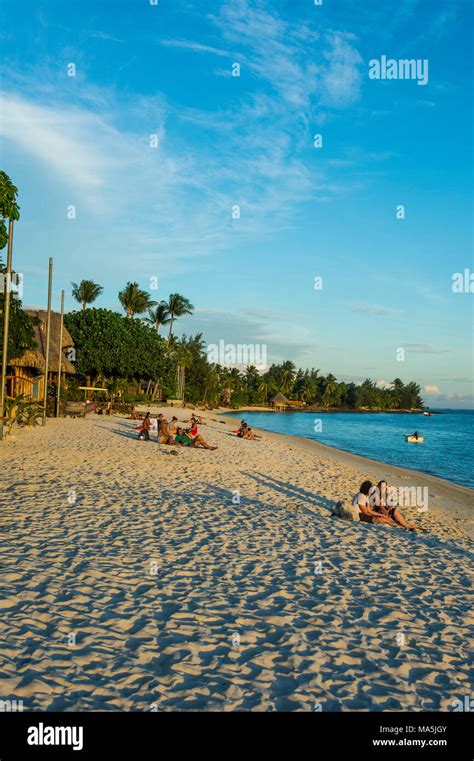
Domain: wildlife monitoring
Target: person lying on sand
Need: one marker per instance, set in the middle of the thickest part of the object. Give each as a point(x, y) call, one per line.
point(195, 419)
point(184, 439)
point(380, 501)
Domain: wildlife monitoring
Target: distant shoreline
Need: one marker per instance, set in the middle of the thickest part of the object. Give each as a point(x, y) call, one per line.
point(333, 410)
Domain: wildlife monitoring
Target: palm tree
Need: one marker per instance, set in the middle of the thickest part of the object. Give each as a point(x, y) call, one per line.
point(287, 377)
point(134, 300)
point(330, 389)
point(184, 360)
point(266, 387)
point(177, 306)
point(86, 292)
point(158, 316)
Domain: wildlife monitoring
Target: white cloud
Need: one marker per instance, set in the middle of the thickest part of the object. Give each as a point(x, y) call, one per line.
point(432, 390)
point(59, 138)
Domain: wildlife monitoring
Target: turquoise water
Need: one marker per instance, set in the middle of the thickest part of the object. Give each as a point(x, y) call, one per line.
point(447, 452)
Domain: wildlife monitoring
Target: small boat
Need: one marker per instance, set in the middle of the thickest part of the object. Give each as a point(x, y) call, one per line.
point(428, 414)
point(413, 439)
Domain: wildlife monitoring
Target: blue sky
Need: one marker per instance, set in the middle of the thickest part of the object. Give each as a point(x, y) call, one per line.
point(166, 212)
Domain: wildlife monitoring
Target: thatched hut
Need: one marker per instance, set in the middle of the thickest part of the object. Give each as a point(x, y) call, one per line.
point(279, 402)
point(26, 373)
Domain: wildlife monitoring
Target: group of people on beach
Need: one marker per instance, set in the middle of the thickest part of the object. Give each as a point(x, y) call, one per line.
point(172, 433)
point(374, 505)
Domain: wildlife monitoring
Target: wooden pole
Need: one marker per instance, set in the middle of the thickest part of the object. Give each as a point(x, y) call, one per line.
point(6, 324)
point(48, 337)
point(58, 403)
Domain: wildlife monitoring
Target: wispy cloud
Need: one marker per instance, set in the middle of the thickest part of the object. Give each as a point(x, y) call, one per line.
point(306, 70)
point(105, 36)
point(374, 310)
point(424, 348)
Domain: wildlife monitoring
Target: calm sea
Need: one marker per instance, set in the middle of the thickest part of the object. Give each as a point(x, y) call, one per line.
point(447, 451)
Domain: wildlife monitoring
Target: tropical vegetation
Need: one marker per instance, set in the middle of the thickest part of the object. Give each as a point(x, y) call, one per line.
point(86, 292)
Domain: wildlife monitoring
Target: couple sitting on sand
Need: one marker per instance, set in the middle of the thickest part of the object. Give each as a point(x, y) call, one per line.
point(245, 432)
point(171, 433)
point(374, 503)
point(374, 506)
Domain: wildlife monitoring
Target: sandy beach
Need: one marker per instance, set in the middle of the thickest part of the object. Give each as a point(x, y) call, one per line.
point(218, 580)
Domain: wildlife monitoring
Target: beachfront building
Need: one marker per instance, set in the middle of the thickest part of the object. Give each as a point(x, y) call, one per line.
point(296, 404)
point(26, 373)
point(152, 389)
point(279, 402)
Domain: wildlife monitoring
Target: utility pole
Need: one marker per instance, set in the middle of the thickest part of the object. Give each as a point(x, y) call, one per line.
point(58, 403)
point(48, 336)
point(6, 324)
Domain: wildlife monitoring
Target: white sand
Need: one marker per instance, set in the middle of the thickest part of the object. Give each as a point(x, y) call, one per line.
point(383, 627)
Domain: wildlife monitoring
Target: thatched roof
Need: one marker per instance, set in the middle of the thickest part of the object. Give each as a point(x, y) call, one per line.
point(281, 400)
point(36, 357)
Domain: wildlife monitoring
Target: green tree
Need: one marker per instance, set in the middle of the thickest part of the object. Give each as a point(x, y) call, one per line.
point(86, 292)
point(330, 390)
point(134, 300)
point(109, 345)
point(9, 208)
point(177, 306)
point(287, 377)
point(21, 333)
point(158, 316)
point(266, 387)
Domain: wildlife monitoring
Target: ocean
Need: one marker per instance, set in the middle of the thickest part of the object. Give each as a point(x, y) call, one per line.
point(447, 451)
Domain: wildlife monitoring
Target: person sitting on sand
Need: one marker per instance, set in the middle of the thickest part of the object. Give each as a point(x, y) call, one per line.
point(380, 501)
point(163, 433)
point(249, 434)
point(241, 431)
point(144, 434)
point(173, 426)
point(184, 439)
point(133, 414)
point(366, 512)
